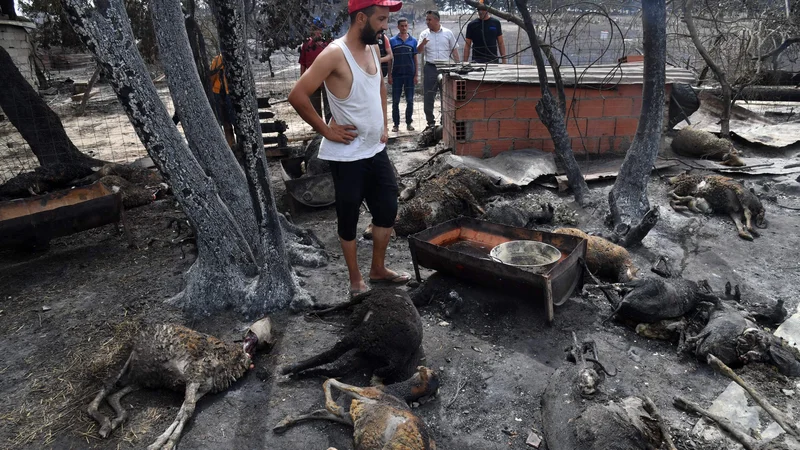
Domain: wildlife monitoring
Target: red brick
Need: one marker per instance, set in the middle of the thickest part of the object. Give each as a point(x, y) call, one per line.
point(607, 144)
point(588, 93)
point(626, 126)
point(601, 127)
point(496, 146)
point(590, 108)
point(548, 145)
point(630, 90)
point(538, 130)
point(576, 126)
point(483, 129)
point(474, 109)
point(471, 149)
point(620, 106)
point(509, 91)
point(526, 109)
point(587, 145)
point(533, 91)
point(513, 129)
point(636, 110)
point(499, 109)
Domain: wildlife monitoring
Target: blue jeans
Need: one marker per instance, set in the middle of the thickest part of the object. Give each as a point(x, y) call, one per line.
point(398, 84)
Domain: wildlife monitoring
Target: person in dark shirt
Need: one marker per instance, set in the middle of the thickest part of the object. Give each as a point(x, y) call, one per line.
point(311, 48)
point(484, 37)
point(386, 52)
point(403, 73)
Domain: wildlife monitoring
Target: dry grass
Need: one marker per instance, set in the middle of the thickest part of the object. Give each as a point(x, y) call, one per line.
point(57, 396)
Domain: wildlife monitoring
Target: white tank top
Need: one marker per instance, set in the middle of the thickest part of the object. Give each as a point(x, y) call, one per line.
point(362, 108)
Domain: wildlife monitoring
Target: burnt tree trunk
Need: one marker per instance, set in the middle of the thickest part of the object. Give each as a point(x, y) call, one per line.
point(36, 122)
point(242, 261)
point(552, 115)
point(725, 120)
point(628, 198)
point(551, 110)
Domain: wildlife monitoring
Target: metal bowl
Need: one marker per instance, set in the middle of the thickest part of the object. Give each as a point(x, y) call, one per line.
point(533, 256)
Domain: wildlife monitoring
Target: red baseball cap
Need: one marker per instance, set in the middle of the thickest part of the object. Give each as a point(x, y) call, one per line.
point(357, 5)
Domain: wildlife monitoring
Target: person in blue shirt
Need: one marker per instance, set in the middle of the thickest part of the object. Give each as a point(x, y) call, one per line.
point(403, 75)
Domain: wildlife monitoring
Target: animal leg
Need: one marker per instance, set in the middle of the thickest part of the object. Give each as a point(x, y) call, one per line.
point(169, 439)
point(320, 414)
point(122, 414)
point(740, 227)
point(748, 217)
point(93, 409)
point(325, 357)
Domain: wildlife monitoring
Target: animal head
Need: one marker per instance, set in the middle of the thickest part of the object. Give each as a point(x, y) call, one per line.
point(424, 383)
point(732, 159)
point(588, 379)
point(761, 221)
point(258, 336)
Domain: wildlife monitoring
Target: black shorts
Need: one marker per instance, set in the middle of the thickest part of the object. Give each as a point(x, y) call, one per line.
point(372, 179)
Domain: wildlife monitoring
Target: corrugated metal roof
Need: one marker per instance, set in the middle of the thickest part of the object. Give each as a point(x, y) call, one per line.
point(598, 75)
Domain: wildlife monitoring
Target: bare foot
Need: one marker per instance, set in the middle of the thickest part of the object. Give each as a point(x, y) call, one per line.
point(388, 276)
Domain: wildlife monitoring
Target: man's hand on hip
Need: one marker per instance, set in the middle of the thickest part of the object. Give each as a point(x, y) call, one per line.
point(343, 134)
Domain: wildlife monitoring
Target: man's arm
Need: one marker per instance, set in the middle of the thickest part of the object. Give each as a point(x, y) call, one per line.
point(454, 52)
point(389, 56)
point(423, 39)
point(415, 68)
point(467, 46)
point(385, 134)
point(501, 46)
point(310, 81)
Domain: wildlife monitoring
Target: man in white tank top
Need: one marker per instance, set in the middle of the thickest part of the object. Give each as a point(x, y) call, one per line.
point(354, 141)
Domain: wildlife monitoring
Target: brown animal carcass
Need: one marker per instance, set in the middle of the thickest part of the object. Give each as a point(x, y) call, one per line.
point(175, 357)
point(380, 416)
point(604, 258)
point(704, 145)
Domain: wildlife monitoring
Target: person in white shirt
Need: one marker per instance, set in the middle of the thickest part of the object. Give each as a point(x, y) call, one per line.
point(354, 141)
point(437, 43)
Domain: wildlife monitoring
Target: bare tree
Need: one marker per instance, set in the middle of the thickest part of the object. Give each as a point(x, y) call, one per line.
point(550, 110)
point(630, 208)
point(60, 161)
point(243, 259)
point(725, 120)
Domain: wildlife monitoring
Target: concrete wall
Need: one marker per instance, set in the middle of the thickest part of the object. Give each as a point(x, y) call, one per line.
point(17, 42)
point(484, 118)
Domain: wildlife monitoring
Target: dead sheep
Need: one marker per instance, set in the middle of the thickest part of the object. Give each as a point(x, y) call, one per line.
point(604, 258)
point(736, 340)
point(721, 195)
point(453, 193)
point(385, 328)
point(650, 300)
point(175, 357)
point(704, 145)
point(380, 416)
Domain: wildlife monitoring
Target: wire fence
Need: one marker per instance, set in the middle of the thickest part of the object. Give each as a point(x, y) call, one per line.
point(576, 38)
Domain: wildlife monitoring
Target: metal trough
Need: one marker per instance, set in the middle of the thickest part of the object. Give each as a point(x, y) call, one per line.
point(36, 220)
point(460, 247)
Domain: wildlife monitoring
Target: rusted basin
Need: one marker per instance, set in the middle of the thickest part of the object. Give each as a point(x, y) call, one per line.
point(36, 220)
point(461, 247)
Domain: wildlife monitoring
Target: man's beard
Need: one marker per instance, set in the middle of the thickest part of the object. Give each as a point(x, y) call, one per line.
point(369, 35)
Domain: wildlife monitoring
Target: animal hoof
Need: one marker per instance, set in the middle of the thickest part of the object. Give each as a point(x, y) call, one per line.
point(285, 370)
point(746, 236)
point(105, 430)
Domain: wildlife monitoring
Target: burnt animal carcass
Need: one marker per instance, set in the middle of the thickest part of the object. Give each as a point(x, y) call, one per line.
point(451, 194)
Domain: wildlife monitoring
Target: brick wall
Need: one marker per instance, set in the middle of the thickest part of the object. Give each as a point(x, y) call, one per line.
point(483, 119)
point(16, 41)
